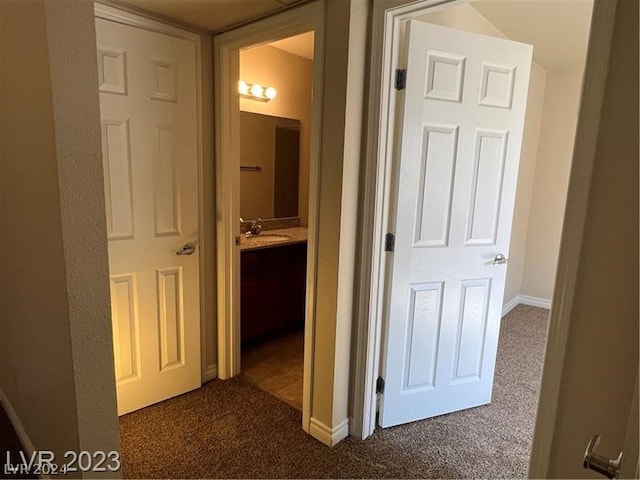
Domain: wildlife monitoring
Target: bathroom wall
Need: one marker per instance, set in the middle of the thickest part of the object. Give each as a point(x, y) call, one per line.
point(256, 150)
point(292, 76)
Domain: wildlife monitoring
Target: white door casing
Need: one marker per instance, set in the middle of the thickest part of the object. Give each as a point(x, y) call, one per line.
point(150, 153)
point(461, 132)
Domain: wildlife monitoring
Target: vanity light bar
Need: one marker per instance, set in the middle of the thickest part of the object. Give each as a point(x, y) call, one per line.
point(256, 91)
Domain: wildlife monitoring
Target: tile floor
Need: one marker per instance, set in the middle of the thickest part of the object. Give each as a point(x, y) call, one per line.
point(276, 366)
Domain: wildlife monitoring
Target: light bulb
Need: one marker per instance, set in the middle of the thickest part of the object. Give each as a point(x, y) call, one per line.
point(270, 93)
point(257, 90)
point(243, 88)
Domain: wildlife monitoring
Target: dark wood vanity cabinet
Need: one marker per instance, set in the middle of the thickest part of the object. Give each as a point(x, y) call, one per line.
point(273, 286)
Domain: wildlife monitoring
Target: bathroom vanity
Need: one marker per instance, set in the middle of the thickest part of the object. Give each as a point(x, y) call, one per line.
point(273, 268)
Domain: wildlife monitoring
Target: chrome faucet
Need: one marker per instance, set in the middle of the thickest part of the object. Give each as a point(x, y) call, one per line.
point(256, 226)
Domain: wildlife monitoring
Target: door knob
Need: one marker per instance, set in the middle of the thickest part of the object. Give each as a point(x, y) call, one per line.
point(500, 259)
point(187, 249)
point(605, 466)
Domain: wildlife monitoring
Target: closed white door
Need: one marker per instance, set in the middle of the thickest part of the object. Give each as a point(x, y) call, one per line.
point(461, 131)
point(149, 138)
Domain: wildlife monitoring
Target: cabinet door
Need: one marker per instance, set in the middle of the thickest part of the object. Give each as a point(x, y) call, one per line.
point(273, 290)
point(298, 285)
point(263, 305)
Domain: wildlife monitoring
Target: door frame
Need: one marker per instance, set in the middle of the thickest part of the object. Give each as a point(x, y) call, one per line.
point(387, 42)
point(226, 46)
point(125, 16)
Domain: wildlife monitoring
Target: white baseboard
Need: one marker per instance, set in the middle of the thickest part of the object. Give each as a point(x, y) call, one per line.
point(510, 305)
point(525, 300)
point(329, 436)
point(209, 373)
point(535, 302)
point(17, 424)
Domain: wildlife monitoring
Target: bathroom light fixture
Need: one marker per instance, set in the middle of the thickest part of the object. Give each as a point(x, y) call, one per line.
point(256, 91)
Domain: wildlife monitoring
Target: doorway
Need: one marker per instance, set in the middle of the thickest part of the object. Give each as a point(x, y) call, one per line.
point(275, 88)
point(394, 44)
point(230, 235)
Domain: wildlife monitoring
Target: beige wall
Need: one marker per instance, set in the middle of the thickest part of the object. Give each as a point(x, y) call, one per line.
point(524, 189)
point(555, 151)
point(35, 318)
point(463, 17)
point(292, 77)
point(56, 359)
point(354, 112)
point(601, 358)
point(345, 47)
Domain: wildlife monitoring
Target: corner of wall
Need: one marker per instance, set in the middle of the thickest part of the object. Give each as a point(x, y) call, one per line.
point(327, 435)
point(76, 115)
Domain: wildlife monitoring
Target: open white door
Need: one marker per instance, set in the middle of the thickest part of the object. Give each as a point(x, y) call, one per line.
point(150, 150)
point(461, 132)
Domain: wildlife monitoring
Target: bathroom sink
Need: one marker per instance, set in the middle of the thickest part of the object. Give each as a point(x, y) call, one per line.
point(270, 237)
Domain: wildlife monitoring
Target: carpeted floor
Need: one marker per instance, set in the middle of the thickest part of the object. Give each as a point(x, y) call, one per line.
point(232, 429)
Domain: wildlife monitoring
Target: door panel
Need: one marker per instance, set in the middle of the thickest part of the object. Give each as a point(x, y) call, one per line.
point(149, 128)
point(486, 184)
point(462, 122)
point(436, 185)
point(422, 335)
point(117, 176)
point(126, 327)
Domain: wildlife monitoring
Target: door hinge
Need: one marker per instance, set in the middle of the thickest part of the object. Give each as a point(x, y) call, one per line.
point(401, 78)
point(389, 242)
point(380, 385)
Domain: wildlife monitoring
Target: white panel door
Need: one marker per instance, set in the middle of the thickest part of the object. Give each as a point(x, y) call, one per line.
point(149, 139)
point(461, 131)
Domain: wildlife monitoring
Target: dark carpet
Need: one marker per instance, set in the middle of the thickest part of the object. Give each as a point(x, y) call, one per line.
point(232, 429)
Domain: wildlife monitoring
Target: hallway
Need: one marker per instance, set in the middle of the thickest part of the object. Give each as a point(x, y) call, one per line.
point(231, 429)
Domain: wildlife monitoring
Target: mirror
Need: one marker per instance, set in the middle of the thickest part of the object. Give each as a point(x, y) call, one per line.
point(269, 166)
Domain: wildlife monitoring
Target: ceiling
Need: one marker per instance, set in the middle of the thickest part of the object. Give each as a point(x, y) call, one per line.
point(557, 29)
point(301, 45)
point(212, 15)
